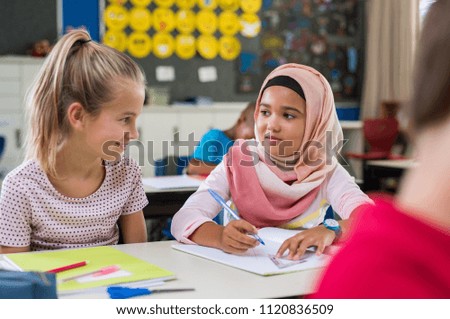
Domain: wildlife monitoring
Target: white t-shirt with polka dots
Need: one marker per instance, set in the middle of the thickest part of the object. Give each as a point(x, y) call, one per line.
point(33, 213)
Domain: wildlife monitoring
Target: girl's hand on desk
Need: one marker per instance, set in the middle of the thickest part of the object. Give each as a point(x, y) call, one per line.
point(234, 238)
point(319, 236)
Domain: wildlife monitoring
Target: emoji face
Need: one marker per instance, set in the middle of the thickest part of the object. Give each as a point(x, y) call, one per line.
point(139, 3)
point(164, 3)
point(139, 44)
point(251, 6)
point(206, 22)
point(251, 25)
point(207, 4)
point(140, 19)
point(232, 5)
point(119, 2)
point(116, 40)
point(116, 17)
point(185, 21)
point(163, 20)
point(229, 48)
point(186, 4)
point(207, 46)
point(185, 46)
point(163, 45)
point(229, 23)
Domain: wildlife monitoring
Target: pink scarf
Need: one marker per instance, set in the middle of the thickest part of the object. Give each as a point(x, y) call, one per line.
point(264, 194)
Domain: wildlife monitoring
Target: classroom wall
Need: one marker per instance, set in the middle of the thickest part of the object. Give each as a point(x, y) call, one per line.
point(22, 22)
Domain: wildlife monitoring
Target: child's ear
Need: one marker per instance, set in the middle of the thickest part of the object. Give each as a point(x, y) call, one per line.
point(76, 115)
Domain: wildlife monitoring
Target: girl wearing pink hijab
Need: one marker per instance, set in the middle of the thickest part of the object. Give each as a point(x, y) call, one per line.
point(285, 178)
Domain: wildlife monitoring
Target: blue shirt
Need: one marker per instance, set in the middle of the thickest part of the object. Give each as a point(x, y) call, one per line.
point(212, 147)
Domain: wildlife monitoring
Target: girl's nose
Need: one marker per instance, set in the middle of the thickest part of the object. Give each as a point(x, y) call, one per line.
point(273, 124)
point(134, 133)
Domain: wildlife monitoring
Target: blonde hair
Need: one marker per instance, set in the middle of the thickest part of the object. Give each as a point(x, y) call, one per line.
point(77, 70)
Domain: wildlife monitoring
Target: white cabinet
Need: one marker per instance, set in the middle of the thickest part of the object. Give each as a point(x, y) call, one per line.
point(11, 128)
point(16, 76)
point(156, 137)
point(176, 130)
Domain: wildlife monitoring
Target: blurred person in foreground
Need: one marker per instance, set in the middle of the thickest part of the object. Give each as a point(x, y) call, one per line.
point(400, 248)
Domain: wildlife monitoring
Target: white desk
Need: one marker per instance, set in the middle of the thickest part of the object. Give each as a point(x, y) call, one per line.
point(212, 280)
point(399, 164)
point(353, 133)
point(165, 202)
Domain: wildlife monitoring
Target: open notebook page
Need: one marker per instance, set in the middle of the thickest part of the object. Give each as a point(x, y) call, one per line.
point(277, 235)
point(257, 260)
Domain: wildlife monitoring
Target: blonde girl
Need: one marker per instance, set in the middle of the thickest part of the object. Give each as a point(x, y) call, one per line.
point(75, 187)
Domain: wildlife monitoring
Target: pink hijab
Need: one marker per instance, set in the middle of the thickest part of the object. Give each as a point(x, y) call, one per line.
point(264, 194)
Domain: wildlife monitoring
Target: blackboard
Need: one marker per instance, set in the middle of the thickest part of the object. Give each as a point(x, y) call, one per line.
point(23, 22)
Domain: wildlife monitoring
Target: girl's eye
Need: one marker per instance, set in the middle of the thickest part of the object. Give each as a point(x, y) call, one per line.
point(126, 120)
point(264, 113)
point(289, 116)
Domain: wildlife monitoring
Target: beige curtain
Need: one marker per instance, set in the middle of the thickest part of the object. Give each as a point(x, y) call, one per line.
point(392, 32)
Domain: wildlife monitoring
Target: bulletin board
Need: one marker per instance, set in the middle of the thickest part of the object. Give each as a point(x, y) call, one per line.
point(185, 64)
point(185, 28)
point(327, 35)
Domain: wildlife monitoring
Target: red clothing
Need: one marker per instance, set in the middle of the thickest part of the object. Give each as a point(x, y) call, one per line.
point(389, 255)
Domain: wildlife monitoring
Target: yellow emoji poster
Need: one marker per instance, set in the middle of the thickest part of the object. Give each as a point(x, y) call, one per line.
point(229, 48)
point(206, 22)
point(185, 21)
point(207, 46)
point(116, 17)
point(163, 45)
point(140, 19)
point(115, 39)
point(163, 20)
point(185, 46)
point(139, 44)
point(229, 23)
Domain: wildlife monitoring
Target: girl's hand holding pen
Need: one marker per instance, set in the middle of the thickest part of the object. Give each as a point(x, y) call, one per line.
point(235, 237)
point(319, 236)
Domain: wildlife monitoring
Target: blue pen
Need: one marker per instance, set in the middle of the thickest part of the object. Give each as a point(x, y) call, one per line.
point(221, 201)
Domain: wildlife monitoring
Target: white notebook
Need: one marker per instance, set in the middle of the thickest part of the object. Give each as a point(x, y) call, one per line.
point(258, 260)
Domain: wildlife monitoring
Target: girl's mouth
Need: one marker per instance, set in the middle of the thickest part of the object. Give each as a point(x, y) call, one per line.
point(122, 146)
point(271, 139)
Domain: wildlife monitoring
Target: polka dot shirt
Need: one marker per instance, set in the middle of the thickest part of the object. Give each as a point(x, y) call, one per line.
point(33, 213)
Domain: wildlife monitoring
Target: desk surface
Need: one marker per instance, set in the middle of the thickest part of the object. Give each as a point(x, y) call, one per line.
point(212, 280)
point(154, 190)
point(172, 184)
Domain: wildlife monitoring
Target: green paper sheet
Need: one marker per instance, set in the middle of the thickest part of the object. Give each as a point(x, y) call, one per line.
point(98, 257)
